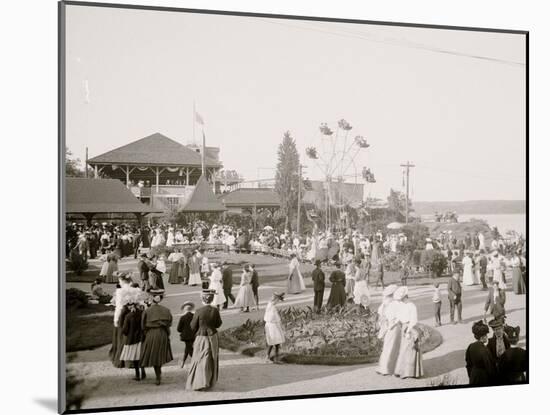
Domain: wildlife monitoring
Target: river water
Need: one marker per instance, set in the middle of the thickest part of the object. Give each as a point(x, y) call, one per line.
point(504, 222)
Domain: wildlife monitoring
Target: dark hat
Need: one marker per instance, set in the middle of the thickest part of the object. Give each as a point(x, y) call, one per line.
point(512, 333)
point(480, 329)
point(280, 296)
point(188, 304)
point(317, 262)
point(496, 323)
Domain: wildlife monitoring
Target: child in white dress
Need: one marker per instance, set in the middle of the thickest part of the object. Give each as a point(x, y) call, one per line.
point(274, 333)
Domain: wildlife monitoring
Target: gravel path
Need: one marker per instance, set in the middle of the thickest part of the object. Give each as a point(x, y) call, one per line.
point(248, 377)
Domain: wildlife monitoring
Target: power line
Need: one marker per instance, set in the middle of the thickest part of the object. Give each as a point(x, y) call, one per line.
point(400, 43)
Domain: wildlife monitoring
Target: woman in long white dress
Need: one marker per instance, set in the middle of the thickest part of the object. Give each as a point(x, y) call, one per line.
point(274, 333)
point(497, 265)
point(389, 331)
point(295, 283)
point(409, 361)
point(245, 298)
point(170, 238)
point(468, 274)
point(361, 293)
point(216, 284)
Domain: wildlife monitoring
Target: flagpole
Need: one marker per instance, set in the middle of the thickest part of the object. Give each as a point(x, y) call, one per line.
point(203, 150)
point(194, 112)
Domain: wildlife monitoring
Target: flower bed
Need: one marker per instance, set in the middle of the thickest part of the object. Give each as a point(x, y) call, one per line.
point(339, 337)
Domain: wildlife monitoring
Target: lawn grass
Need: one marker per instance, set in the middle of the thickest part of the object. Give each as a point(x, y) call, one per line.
point(89, 327)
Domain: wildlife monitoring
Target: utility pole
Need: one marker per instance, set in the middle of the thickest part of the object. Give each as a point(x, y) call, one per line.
point(86, 164)
point(299, 198)
point(408, 166)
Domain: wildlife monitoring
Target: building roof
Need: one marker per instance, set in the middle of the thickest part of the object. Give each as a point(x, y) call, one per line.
point(155, 149)
point(101, 196)
point(203, 199)
point(251, 197)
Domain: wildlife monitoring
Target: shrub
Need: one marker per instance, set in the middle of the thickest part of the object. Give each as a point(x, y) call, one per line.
point(436, 262)
point(75, 298)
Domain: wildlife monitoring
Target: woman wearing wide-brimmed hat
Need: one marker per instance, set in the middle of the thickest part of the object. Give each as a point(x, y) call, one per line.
point(245, 298)
point(409, 361)
point(513, 362)
point(295, 282)
point(156, 321)
point(479, 363)
point(203, 373)
point(389, 331)
point(118, 301)
point(274, 333)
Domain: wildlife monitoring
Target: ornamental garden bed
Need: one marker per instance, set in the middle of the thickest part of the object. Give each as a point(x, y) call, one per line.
point(342, 336)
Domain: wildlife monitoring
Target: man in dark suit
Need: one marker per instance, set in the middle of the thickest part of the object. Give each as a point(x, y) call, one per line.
point(499, 343)
point(483, 270)
point(454, 289)
point(255, 283)
point(494, 304)
point(187, 335)
point(227, 282)
point(318, 277)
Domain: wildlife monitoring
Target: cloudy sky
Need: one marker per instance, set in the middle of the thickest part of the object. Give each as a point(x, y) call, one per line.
point(451, 102)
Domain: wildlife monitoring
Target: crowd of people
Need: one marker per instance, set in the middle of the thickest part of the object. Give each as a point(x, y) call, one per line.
point(142, 324)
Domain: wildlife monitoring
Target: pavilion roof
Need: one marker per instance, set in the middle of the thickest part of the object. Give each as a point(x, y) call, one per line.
point(155, 149)
point(101, 196)
point(203, 199)
point(251, 197)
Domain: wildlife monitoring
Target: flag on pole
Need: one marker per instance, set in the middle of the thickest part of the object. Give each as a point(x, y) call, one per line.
point(198, 118)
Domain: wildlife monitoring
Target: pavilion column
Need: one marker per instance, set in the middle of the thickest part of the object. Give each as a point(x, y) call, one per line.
point(95, 172)
point(128, 176)
point(187, 176)
point(157, 173)
point(214, 180)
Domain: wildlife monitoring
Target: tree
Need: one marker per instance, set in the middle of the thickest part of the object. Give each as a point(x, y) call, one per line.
point(72, 165)
point(287, 176)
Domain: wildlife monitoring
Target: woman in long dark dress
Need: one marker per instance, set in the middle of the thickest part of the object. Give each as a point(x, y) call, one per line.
point(337, 295)
point(480, 365)
point(155, 323)
point(513, 362)
point(133, 336)
point(203, 373)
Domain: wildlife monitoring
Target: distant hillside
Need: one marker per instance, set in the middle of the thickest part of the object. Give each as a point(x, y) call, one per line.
point(471, 207)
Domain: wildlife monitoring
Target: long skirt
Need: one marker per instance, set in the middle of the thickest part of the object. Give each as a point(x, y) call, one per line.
point(350, 287)
point(131, 352)
point(274, 334)
point(295, 284)
point(112, 267)
point(409, 362)
point(156, 349)
point(116, 347)
point(203, 373)
point(245, 297)
point(360, 291)
point(517, 281)
point(174, 276)
point(219, 297)
point(195, 278)
point(390, 351)
point(337, 295)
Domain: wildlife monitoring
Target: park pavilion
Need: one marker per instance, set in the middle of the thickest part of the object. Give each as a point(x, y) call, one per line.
point(158, 170)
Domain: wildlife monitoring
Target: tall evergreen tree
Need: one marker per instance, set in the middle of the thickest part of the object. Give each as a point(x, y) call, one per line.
point(287, 177)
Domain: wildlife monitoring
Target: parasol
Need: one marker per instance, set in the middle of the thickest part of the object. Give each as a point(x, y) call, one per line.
point(395, 225)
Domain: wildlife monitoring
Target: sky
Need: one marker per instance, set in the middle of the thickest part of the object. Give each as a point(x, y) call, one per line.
point(451, 102)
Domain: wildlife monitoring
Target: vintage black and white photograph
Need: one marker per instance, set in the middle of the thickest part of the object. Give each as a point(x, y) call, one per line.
point(260, 207)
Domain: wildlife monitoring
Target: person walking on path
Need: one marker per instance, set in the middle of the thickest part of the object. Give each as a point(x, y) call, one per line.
point(245, 297)
point(337, 295)
point(518, 284)
point(133, 335)
point(255, 282)
point(483, 270)
point(479, 362)
point(274, 333)
point(216, 284)
point(513, 363)
point(295, 282)
point(409, 361)
point(155, 323)
point(227, 283)
point(187, 335)
point(389, 332)
point(203, 373)
point(436, 299)
point(498, 343)
point(454, 289)
point(318, 277)
point(496, 299)
point(195, 269)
